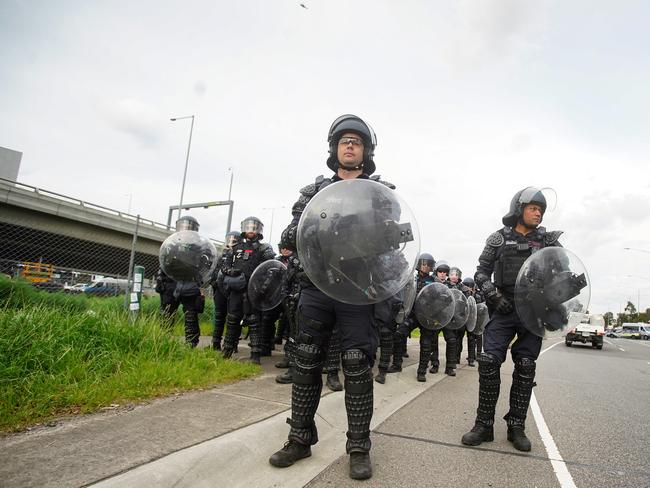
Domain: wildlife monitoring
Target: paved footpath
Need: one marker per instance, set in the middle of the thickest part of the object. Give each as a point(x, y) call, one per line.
point(193, 439)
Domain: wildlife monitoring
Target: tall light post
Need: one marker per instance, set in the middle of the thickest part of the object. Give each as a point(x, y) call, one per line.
point(232, 173)
point(187, 158)
point(272, 209)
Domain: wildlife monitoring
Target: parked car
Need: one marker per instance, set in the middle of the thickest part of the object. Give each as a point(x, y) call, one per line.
point(75, 289)
point(615, 332)
point(107, 287)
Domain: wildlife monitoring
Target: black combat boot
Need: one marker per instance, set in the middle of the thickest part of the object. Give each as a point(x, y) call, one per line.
point(360, 467)
point(289, 454)
point(255, 358)
point(283, 363)
point(285, 378)
point(523, 380)
point(381, 376)
point(333, 382)
point(470, 362)
point(488, 394)
point(232, 336)
point(450, 371)
point(433, 369)
point(359, 407)
point(421, 377)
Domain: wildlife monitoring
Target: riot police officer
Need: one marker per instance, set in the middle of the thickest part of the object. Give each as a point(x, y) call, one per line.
point(423, 278)
point(218, 291)
point(351, 146)
point(455, 281)
point(188, 293)
point(504, 253)
point(474, 341)
point(246, 256)
point(441, 275)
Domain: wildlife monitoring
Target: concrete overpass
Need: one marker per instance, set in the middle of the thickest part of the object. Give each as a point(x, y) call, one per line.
point(38, 225)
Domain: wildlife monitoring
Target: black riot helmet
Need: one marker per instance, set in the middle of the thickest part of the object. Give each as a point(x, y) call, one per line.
point(469, 282)
point(352, 123)
point(425, 258)
point(232, 239)
point(252, 224)
point(288, 238)
point(522, 198)
point(187, 222)
point(442, 266)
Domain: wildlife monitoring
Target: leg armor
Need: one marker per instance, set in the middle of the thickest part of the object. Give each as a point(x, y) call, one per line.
point(488, 391)
point(358, 400)
point(471, 347)
point(523, 378)
point(219, 325)
point(434, 350)
point(305, 393)
point(232, 334)
point(192, 327)
point(426, 340)
point(451, 340)
point(385, 349)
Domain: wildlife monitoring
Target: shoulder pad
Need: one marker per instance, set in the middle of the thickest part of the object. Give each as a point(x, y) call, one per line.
point(496, 239)
point(551, 238)
point(378, 179)
point(309, 190)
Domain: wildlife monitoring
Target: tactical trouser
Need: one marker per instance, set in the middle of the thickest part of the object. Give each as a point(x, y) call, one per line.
point(192, 331)
point(427, 338)
point(255, 332)
point(267, 330)
point(450, 352)
point(523, 380)
point(489, 381)
point(460, 334)
point(474, 346)
point(385, 349)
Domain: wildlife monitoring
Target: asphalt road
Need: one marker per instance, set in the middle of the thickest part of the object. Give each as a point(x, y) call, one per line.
point(591, 428)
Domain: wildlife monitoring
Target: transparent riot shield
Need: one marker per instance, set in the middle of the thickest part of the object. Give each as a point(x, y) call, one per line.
point(434, 306)
point(482, 318)
point(551, 283)
point(461, 310)
point(470, 325)
point(358, 241)
point(267, 285)
point(187, 256)
point(407, 295)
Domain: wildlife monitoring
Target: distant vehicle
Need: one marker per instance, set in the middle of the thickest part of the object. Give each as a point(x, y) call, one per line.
point(585, 328)
point(107, 287)
point(635, 331)
point(75, 289)
point(615, 332)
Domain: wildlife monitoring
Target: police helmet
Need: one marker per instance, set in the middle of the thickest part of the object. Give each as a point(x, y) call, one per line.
point(288, 238)
point(187, 222)
point(522, 198)
point(454, 270)
point(426, 258)
point(232, 239)
point(352, 123)
point(442, 266)
point(469, 282)
point(251, 224)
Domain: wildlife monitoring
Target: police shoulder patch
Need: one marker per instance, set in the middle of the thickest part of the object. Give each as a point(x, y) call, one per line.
point(496, 239)
point(552, 237)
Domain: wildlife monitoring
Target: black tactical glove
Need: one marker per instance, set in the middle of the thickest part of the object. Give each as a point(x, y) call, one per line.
point(499, 302)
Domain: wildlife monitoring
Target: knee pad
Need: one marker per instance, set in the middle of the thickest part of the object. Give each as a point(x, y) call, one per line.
point(356, 368)
point(308, 361)
point(488, 363)
point(525, 367)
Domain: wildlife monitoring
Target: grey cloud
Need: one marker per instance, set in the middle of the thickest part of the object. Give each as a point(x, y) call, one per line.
point(137, 119)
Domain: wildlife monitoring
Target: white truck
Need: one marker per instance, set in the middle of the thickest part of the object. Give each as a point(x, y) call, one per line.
point(585, 328)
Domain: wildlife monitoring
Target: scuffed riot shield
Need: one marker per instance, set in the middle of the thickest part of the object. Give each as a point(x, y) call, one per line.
point(358, 241)
point(187, 256)
point(408, 295)
point(482, 318)
point(551, 283)
point(267, 285)
point(461, 310)
point(434, 306)
point(470, 325)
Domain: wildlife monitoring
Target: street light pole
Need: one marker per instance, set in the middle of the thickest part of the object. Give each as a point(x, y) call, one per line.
point(187, 158)
point(272, 209)
point(635, 249)
point(229, 223)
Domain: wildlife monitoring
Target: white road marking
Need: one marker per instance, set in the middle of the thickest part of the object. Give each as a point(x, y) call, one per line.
point(559, 466)
point(622, 349)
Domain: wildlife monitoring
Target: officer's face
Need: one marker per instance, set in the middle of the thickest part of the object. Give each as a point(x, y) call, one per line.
point(250, 235)
point(286, 252)
point(425, 268)
point(442, 275)
point(453, 278)
point(532, 215)
point(350, 150)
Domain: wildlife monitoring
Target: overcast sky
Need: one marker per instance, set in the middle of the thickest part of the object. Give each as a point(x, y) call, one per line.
point(471, 101)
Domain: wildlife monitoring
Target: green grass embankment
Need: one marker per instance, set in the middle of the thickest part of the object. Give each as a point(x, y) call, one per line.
point(63, 354)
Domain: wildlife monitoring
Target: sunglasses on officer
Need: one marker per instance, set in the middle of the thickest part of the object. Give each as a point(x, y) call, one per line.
point(344, 141)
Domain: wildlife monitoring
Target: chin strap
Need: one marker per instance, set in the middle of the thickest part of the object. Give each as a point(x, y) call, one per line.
point(356, 168)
